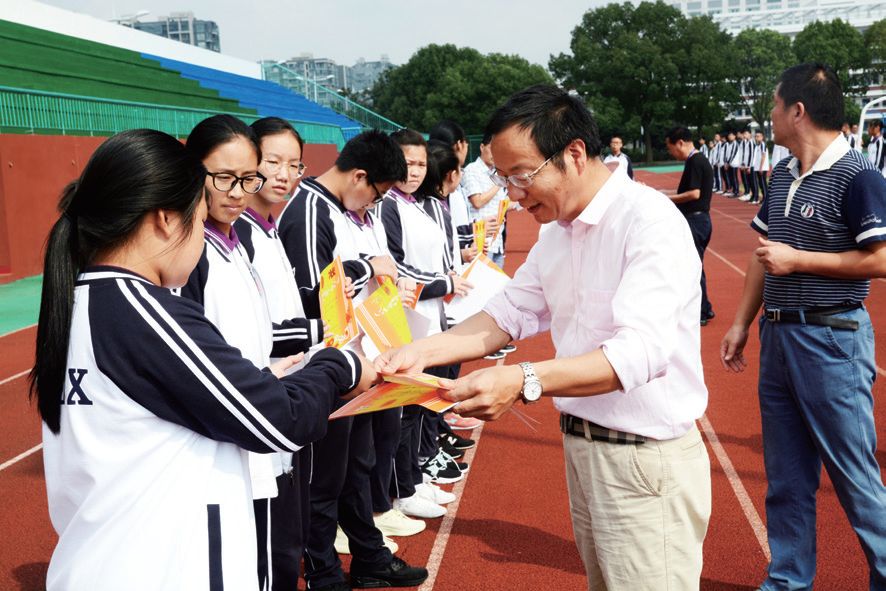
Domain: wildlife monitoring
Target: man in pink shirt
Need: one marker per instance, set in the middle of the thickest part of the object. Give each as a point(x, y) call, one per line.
point(616, 282)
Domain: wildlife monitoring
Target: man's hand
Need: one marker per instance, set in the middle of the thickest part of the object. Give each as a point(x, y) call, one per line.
point(777, 258)
point(384, 265)
point(732, 348)
point(405, 359)
point(487, 393)
point(406, 289)
point(368, 378)
point(281, 367)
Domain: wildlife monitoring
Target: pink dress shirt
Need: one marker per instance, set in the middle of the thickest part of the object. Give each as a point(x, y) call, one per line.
point(624, 276)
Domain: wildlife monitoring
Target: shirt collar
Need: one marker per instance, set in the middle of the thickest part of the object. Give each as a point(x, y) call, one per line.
point(317, 187)
point(831, 155)
point(596, 209)
point(404, 196)
point(231, 243)
point(266, 224)
point(366, 222)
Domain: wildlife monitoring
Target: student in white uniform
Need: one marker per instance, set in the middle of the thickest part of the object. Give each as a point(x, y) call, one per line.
point(281, 164)
point(760, 168)
point(315, 228)
point(230, 290)
point(452, 134)
point(417, 241)
point(876, 150)
point(147, 410)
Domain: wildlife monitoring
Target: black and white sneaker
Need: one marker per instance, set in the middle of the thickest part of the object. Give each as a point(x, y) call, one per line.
point(454, 441)
point(441, 469)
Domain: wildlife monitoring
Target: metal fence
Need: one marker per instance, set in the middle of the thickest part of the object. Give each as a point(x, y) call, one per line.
point(39, 112)
point(318, 93)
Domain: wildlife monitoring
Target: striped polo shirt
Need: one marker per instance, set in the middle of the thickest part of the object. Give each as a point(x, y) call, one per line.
point(838, 205)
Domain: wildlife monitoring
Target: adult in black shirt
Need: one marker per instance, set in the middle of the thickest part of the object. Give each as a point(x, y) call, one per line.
point(693, 199)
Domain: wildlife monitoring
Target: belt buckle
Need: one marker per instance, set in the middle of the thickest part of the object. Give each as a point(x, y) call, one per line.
point(773, 315)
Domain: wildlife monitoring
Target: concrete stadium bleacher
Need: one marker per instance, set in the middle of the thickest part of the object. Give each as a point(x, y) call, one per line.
point(267, 98)
point(36, 59)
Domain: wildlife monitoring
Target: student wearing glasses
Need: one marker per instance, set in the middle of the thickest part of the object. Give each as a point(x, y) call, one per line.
point(231, 292)
point(616, 282)
point(326, 218)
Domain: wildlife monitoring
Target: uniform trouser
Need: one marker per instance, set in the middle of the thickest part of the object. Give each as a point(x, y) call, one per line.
point(433, 422)
point(340, 494)
point(816, 407)
point(639, 511)
point(261, 508)
point(701, 228)
point(731, 181)
point(290, 519)
point(762, 184)
point(718, 185)
point(386, 436)
point(746, 181)
point(407, 472)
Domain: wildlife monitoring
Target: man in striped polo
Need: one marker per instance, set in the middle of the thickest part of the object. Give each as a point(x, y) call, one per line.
point(816, 341)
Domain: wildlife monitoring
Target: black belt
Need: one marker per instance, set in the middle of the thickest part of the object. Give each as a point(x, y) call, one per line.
point(571, 425)
point(817, 316)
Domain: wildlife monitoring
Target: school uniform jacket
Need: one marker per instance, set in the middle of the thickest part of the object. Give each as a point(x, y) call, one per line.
point(877, 154)
point(147, 480)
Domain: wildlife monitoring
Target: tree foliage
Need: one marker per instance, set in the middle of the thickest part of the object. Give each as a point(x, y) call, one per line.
point(839, 45)
point(875, 42)
point(761, 56)
point(445, 81)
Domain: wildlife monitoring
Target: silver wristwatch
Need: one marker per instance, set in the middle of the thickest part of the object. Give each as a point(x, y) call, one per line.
point(531, 391)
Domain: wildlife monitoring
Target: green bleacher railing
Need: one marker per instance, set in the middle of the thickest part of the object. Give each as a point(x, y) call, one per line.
point(318, 93)
point(35, 111)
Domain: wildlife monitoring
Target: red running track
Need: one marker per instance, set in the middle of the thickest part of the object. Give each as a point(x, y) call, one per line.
point(511, 529)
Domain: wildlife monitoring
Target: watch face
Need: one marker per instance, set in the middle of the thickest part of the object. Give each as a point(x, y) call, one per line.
point(532, 391)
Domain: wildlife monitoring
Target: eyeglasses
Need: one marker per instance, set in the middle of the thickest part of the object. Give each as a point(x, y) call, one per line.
point(225, 181)
point(378, 196)
point(522, 180)
point(296, 170)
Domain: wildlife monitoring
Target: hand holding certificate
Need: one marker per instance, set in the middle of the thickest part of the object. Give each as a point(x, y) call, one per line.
point(336, 308)
point(399, 390)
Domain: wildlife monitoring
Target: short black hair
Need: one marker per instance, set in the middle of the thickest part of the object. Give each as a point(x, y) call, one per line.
point(616, 136)
point(554, 118)
point(818, 88)
point(875, 123)
point(408, 137)
point(217, 130)
point(678, 132)
point(376, 153)
point(272, 126)
point(448, 132)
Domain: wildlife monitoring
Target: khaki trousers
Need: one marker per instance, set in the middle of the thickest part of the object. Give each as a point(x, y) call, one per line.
point(640, 512)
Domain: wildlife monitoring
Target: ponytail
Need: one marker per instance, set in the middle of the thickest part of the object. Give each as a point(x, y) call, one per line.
point(61, 265)
point(130, 175)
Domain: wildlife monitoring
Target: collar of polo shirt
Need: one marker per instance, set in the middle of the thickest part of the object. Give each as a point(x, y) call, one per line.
point(831, 155)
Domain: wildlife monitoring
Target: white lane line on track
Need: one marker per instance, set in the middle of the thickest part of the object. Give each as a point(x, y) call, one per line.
point(731, 217)
point(442, 539)
point(12, 332)
point(744, 500)
point(15, 377)
point(20, 457)
point(741, 493)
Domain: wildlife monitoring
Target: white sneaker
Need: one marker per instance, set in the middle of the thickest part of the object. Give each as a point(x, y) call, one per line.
point(341, 541)
point(394, 523)
point(391, 544)
point(417, 506)
point(433, 493)
point(744, 198)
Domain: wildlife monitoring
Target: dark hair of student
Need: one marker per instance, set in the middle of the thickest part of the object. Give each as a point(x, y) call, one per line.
point(129, 175)
point(678, 132)
point(376, 153)
point(408, 137)
point(442, 160)
point(553, 117)
point(818, 88)
point(448, 132)
point(218, 130)
point(274, 125)
point(875, 123)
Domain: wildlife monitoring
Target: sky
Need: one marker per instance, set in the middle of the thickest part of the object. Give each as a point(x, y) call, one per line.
point(345, 30)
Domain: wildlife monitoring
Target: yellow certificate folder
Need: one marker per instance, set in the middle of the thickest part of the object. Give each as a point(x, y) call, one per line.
point(480, 236)
point(336, 308)
point(503, 206)
point(396, 391)
point(382, 318)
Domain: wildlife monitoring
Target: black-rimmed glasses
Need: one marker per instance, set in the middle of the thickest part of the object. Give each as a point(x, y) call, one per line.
point(225, 181)
point(378, 196)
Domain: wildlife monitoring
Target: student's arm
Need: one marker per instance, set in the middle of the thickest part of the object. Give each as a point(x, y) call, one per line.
point(296, 336)
point(478, 200)
point(308, 237)
point(164, 354)
point(437, 284)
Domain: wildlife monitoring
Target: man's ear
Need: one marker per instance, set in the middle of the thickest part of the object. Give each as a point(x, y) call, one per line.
point(358, 175)
point(576, 151)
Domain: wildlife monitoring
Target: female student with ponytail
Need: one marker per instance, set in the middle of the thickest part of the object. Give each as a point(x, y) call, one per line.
point(146, 409)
